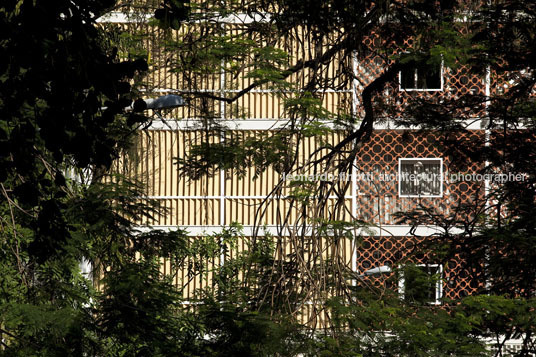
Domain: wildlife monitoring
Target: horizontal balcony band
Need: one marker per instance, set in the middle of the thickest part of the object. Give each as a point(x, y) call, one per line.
point(121, 17)
point(225, 197)
point(384, 230)
point(179, 91)
point(273, 124)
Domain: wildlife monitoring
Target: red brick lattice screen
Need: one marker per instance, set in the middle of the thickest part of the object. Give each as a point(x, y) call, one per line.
point(378, 200)
point(457, 83)
point(393, 251)
point(377, 174)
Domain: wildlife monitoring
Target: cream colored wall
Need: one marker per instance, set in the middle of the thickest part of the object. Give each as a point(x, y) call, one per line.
point(216, 199)
point(223, 198)
point(165, 74)
point(191, 279)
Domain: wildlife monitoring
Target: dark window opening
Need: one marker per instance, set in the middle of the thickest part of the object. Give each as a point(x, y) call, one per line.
point(421, 284)
point(420, 178)
point(421, 77)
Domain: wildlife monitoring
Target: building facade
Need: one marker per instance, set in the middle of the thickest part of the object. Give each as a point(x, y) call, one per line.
point(396, 171)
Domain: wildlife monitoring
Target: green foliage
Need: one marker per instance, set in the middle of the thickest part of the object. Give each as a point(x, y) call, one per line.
point(379, 325)
point(495, 246)
point(268, 67)
point(63, 89)
point(306, 105)
point(239, 333)
point(138, 312)
point(500, 317)
point(420, 285)
point(172, 13)
point(239, 152)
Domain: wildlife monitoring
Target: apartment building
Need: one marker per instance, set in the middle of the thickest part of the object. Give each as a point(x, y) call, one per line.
point(396, 170)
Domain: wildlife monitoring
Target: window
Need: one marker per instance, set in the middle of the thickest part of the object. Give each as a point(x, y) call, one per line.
point(421, 283)
point(420, 177)
point(422, 77)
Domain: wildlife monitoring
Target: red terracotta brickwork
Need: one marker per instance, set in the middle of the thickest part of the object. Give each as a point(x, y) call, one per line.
point(378, 168)
point(394, 251)
point(457, 83)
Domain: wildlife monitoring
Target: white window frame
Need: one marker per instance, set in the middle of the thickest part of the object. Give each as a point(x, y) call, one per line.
point(422, 159)
point(438, 288)
point(416, 81)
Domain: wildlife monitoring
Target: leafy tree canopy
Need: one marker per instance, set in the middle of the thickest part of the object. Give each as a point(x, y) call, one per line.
point(288, 46)
point(63, 94)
